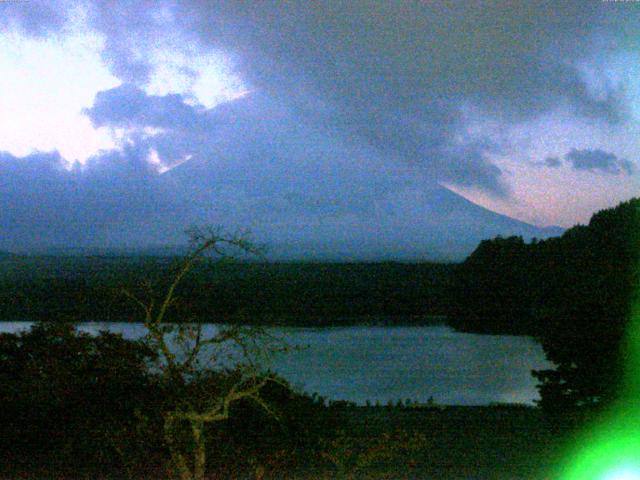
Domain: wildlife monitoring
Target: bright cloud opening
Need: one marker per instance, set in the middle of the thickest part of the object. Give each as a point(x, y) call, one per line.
point(207, 79)
point(46, 83)
point(153, 158)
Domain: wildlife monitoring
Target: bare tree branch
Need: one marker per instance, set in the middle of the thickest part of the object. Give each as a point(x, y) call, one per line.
point(245, 347)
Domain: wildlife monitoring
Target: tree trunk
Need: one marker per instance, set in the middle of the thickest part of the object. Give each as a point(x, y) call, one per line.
point(199, 453)
point(177, 458)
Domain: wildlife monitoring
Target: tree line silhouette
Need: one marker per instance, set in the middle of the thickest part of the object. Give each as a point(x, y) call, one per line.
point(296, 293)
point(575, 293)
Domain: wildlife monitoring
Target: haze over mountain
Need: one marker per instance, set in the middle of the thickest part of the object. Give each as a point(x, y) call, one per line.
point(303, 190)
point(448, 233)
point(338, 130)
point(446, 227)
point(430, 223)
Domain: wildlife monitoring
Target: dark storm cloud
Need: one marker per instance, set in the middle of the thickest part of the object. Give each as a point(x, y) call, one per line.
point(394, 75)
point(114, 200)
point(599, 161)
point(35, 18)
point(391, 75)
point(512, 57)
point(300, 189)
point(552, 162)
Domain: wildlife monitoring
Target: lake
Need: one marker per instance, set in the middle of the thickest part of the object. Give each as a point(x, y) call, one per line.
point(382, 364)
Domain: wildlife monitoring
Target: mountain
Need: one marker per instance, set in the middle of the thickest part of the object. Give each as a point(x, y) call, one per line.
point(343, 215)
point(308, 192)
point(416, 222)
point(307, 189)
point(442, 226)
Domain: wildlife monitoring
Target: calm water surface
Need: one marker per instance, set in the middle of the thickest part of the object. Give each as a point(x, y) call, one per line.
point(391, 363)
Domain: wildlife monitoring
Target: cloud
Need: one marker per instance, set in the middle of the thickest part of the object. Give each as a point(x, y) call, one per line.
point(599, 161)
point(129, 107)
point(552, 162)
point(112, 201)
point(370, 56)
point(395, 76)
point(263, 133)
point(299, 187)
point(35, 18)
point(392, 76)
point(593, 160)
point(356, 114)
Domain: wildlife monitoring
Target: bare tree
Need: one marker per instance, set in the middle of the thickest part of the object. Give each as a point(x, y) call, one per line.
point(204, 373)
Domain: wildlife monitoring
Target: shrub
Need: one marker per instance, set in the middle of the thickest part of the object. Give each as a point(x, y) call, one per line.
point(71, 399)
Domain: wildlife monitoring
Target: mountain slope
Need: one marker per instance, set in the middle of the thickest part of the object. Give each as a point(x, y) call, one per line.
point(441, 226)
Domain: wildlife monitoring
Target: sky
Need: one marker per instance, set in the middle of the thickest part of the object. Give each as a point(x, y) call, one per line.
point(324, 125)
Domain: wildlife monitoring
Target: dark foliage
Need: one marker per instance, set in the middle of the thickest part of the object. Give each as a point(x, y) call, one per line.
point(289, 441)
point(70, 401)
point(574, 293)
point(315, 294)
point(85, 406)
point(492, 291)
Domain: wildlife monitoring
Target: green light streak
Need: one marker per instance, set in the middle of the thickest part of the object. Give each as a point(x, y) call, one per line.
point(610, 449)
point(612, 452)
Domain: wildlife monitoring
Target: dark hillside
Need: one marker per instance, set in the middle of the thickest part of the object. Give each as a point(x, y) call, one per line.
point(574, 292)
point(88, 288)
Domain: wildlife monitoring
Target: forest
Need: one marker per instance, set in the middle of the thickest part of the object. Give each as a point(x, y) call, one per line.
point(575, 293)
point(256, 292)
point(86, 406)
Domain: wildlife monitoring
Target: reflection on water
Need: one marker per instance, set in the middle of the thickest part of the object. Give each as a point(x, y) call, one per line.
point(393, 363)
